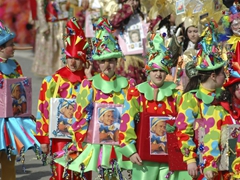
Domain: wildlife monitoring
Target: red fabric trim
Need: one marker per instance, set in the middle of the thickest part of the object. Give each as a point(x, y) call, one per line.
point(43, 139)
point(73, 77)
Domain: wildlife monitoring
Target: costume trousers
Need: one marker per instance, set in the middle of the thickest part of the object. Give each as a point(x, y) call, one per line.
point(157, 171)
point(8, 171)
point(58, 170)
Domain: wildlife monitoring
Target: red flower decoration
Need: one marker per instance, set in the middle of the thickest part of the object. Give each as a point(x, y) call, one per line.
point(43, 90)
point(181, 138)
point(208, 159)
point(132, 92)
point(121, 138)
point(79, 139)
point(78, 113)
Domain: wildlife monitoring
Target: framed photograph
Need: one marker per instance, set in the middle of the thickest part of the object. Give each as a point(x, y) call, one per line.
point(180, 8)
point(158, 135)
point(131, 41)
point(105, 124)
point(61, 117)
point(152, 137)
point(15, 97)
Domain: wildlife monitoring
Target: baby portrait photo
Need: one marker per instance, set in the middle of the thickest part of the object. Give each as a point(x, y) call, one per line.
point(61, 115)
point(19, 102)
point(109, 124)
point(158, 136)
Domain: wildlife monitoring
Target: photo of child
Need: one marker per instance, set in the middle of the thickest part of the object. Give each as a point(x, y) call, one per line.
point(66, 109)
point(19, 102)
point(109, 124)
point(158, 135)
point(134, 36)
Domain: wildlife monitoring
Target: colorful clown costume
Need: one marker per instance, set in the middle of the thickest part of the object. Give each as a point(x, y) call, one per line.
point(148, 99)
point(98, 89)
point(65, 83)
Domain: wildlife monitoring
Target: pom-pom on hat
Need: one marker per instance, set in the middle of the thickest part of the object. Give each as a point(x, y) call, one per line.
point(5, 34)
point(208, 56)
point(75, 40)
point(105, 44)
point(234, 68)
point(159, 57)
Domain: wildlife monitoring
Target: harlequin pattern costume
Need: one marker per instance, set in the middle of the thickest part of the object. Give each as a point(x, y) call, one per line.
point(147, 98)
point(198, 104)
point(98, 89)
point(16, 133)
point(67, 84)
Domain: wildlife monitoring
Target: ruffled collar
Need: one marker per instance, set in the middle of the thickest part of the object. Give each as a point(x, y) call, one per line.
point(109, 85)
point(147, 88)
point(8, 66)
point(73, 77)
point(207, 95)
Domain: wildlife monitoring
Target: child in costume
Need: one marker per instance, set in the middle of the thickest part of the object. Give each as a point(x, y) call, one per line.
point(109, 124)
point(67, 82)
point(105, 89)
point(155, 97)
point(197, 104)
point(15, 133)
point(230, 97)
point(19, 102)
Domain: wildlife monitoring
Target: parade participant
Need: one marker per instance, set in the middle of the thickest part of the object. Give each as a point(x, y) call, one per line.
point(155, 97)
point(230, 96)
point(66, 82)
point(104, 90)
point(197, 105)
point(16, 133)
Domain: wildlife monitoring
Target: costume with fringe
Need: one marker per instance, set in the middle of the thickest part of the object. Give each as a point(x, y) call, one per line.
point(16, 133)
point(94, 157)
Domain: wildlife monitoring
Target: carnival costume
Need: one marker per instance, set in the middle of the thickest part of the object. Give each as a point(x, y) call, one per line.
point(16, 132)
point(148, 99)
point(98, 91)
point(67, 85)
point(196, 106)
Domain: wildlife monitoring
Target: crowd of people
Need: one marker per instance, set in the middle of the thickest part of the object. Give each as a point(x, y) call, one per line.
point(151, 87)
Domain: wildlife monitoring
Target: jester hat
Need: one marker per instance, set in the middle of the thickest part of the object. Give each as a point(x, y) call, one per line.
point(5, 34)
point(234, 68)
point(105, 44)
point(208, 56)
point(159, 57)
point(75, 40)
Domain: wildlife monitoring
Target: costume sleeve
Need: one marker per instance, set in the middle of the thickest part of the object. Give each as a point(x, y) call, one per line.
point(121, 15)
point(187, 113)
point(127, 135)
point(43, 110)
point(79, 129)
point(216, 117)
